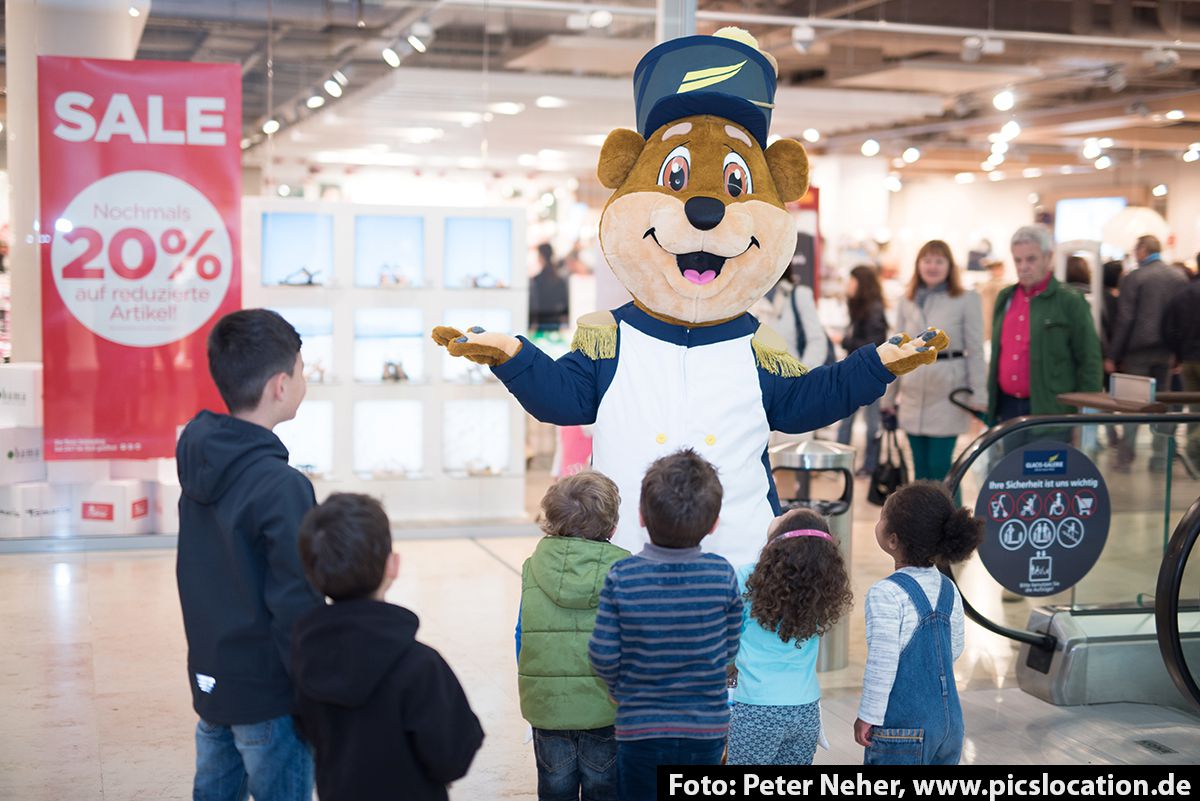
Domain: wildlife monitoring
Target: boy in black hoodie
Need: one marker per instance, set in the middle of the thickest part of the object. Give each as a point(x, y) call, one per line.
point(241, 586)
point(385, 714)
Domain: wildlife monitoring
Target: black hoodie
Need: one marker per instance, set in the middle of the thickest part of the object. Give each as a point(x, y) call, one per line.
point(385, 714)
point(241, 585)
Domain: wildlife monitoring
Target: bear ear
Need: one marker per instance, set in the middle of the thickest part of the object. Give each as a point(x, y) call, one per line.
point(620, 152)
point(788, 164)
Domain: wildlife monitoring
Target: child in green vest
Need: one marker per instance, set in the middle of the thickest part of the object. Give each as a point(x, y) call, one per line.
point(567, 705)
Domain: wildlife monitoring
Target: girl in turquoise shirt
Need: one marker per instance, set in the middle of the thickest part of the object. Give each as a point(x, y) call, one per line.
point(798, 589)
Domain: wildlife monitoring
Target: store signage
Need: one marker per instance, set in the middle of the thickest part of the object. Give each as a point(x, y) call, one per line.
point(1046, 513)
point(141, 251)
point(98, 511)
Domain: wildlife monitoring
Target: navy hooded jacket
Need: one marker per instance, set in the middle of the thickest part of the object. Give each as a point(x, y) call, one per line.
point(241, 585)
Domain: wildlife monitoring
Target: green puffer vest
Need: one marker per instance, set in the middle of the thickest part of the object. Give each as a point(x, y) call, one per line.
point(560, 590)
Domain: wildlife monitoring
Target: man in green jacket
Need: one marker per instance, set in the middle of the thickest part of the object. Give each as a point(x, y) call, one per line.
point(569, 708)
point(1043, 339)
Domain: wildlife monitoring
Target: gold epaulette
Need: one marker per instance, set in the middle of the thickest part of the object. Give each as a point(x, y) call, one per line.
point(771, 354)
point(596, 336)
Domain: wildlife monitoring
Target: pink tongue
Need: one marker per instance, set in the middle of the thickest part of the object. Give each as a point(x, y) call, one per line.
point(700, 278)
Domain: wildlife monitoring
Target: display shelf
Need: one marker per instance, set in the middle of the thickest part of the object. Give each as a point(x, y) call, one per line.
point(389, 251)
point(449, 442)
point(389, 346)
point(478, 253)
point(297, 249)
point(315, 327)
point(388, 439)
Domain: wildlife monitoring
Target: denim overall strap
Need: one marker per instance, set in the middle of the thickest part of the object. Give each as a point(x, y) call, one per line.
point(923, 722)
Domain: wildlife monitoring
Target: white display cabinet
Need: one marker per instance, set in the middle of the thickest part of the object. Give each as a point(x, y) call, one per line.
point(315, 327)
point(437, 439)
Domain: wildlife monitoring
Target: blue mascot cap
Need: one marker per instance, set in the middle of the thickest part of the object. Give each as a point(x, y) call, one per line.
point(716, 75)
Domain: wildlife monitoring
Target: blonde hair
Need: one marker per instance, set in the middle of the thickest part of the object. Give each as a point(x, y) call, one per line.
point(585, 505)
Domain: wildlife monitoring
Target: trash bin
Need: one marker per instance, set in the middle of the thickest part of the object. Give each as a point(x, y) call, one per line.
point(802, 460)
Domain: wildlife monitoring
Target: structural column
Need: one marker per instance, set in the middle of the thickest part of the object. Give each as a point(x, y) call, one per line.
point(675, 18)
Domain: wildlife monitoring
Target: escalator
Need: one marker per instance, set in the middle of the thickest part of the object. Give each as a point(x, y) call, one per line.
point(1129, 632)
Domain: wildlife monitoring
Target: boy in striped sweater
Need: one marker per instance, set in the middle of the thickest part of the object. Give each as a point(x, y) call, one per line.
point(667, 629)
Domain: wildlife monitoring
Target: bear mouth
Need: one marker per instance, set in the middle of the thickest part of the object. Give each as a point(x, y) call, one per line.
point(699, 267)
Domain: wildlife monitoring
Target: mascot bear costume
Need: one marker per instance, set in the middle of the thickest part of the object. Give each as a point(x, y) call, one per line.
point(697, 231)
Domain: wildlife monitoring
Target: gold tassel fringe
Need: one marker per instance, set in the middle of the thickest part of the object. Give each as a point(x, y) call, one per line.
point(596, 341)
point(777, 362)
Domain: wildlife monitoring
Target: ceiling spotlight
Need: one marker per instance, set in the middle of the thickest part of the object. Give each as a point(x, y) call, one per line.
point(270, 127)
point(999, 148)
point(802, 38)
point(1175, 114)
point(284, 190)
point(1031, 172)
point(910, 155)
point(1010, 129)
point(134, 12)
point(995, 176)
point(1191, 155)
point(600, 19)
point(898, 163)
point(987, 166)
point(550, 101)
point(870, 148)
point(340, 77)
point(1102, 163)
point(1004, 100)
point(391, 57)
point(316, 101)
point(1105, 142)
point(811, 135)
point(1092, 149)
point(964, 178)
point(333, 88)
point(972, 49)
point(507, 107)
point(893, 184)
point(1159, 191)
point(996, 158)
point(416, 43)
point(1033, 198)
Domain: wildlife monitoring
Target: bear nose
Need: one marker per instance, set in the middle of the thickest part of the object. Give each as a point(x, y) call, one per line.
point(704, 213)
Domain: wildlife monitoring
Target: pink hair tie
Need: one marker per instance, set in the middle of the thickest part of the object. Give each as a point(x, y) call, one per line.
point(805, 532)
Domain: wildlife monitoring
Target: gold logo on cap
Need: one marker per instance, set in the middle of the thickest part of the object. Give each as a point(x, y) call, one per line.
point(698, 79)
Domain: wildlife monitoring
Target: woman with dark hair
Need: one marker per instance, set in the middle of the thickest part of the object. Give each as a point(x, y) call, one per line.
point(929, 419)
point(868, 326)
point(1079, 274)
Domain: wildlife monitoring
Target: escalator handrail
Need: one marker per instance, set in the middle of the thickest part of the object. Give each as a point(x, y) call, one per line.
point(998, 432)
point(1166, 603)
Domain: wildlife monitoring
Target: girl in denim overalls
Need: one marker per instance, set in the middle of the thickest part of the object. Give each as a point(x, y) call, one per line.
point(910, 714)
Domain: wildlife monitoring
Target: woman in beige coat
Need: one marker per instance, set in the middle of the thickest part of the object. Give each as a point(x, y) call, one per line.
point(926, 414)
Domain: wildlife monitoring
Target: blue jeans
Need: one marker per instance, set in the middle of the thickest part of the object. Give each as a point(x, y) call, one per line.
point(923, 724)
point(573, 761)
point(265, 759)
point(638, 761)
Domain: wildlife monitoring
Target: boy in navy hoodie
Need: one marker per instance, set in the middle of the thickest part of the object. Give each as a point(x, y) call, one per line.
point(385, 713)
point(241, 586)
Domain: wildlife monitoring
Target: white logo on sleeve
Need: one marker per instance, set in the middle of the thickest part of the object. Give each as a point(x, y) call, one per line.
point(205, 683)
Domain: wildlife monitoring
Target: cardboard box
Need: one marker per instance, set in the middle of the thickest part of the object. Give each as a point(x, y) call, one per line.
point(35, 509)
point(78, 471)
point(21, 394)
point(21, 457)
point(118, 507)
point(166, 507)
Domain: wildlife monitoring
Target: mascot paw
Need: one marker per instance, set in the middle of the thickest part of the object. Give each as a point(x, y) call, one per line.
point(901, 354)
point(477, 345)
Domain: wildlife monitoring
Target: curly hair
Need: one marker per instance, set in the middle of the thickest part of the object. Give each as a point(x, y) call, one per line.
point(932, 530)
point(800, 586)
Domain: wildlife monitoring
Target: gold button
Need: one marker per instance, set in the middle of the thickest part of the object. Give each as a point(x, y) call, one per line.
point(710, 440)
point(661, 439)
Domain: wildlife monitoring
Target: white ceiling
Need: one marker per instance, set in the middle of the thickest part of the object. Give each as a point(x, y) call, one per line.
point(435, 119)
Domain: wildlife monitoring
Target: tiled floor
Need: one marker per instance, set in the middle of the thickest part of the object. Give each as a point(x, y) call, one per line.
point(94, 701)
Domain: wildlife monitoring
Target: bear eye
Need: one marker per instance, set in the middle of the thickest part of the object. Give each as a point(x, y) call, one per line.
point(737, 176)
point(675, 169)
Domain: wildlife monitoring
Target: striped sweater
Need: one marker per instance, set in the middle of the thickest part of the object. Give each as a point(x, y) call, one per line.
point(666, 629)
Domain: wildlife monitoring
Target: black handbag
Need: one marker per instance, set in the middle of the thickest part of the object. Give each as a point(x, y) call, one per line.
point(892, 472)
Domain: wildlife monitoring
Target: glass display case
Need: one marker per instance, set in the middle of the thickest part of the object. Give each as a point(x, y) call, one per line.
point(463, 371)
point(309, 438)
point(389, 346)
point(315, 327)
point(389, 251)
point(475, 437)
point(388, 440)
point(478, 253)
point(297, 249)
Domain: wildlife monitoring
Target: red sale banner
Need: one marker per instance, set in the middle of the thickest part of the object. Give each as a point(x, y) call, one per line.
point(140, 217)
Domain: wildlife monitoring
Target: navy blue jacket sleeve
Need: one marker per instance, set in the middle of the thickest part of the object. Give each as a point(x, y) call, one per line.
point(564, 392)
point(826, 394)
